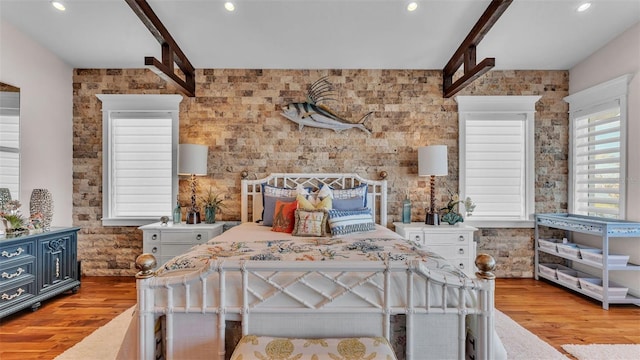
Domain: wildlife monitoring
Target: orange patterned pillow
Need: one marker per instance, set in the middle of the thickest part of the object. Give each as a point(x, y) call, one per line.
point(284, 216)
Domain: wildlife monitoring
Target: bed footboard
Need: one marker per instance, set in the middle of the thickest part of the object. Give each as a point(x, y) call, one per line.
point(322, 299)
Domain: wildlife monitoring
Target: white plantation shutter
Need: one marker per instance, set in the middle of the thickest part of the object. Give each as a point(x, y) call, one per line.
point(10, 142)
point(597, 147)
point(141, 156)
point(495, 165)
point(140, 180)
point(496, 157)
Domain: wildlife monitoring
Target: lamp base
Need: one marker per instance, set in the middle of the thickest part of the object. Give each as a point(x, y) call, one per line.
point(193, 217)
point(432, 219)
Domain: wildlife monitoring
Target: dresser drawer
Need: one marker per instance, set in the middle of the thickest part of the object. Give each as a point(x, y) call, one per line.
point(16, 271)
point(16, 252)
point(448, 238)
point(17, 292)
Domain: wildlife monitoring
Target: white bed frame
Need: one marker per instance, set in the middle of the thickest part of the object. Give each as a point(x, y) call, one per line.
point(194, 308)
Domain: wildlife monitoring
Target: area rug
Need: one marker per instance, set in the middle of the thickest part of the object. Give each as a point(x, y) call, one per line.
point(604, 351)
point(104, 343)
point(522, 344)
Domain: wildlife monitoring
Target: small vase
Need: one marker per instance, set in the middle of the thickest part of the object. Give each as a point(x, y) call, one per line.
point(42, 202)
point(5, 196)
point(209, 215)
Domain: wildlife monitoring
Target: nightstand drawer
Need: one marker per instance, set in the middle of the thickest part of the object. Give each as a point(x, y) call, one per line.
point(450, 252)
point(463, 264)
point(450, 238)
point(416, 236)
point(172, 250)
point(188, 237)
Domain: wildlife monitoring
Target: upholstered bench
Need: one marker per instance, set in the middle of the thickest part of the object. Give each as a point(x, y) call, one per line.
point(264, 347)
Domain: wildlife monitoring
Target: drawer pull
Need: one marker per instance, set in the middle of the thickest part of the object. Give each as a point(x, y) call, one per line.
point(461, 266)
point(461, 251)
point(10, 255)
point(6, 296)
point(154, 237)
point(199, 237)
point(461, 238)
point(417, 239)
point(15, 274)
point(154, 250)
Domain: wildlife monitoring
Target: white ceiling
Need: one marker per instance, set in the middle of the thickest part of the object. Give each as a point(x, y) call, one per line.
point(320, 34)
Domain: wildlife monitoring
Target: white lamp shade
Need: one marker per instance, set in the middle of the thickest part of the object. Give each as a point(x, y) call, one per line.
point(432, 160)
point(192, 159)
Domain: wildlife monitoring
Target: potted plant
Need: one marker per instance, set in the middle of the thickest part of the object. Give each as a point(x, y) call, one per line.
point(212, 204)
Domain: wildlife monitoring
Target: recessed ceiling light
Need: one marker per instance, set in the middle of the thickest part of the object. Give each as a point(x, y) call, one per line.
point(58, 5)
point(412, 6)
point(229, 6)
point(583, 7)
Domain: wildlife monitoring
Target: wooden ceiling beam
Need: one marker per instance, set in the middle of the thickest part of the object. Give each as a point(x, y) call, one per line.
point(466, 53)
point(171, 52)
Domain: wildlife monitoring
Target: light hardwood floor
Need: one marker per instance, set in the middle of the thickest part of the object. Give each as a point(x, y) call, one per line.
point(554, 314)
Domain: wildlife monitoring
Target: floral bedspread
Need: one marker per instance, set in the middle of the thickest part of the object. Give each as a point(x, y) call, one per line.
point(310, 249)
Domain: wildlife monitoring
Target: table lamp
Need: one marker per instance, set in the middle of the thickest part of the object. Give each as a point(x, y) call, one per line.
point(192, 160)
point(432, 161)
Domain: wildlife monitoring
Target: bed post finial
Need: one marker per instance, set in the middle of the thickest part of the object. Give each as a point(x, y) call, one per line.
point(383, 175)
point(244, 174)
point(145, 263)
point(486, 264)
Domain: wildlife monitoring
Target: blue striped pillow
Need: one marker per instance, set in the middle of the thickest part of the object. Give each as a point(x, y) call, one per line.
point(344, 222)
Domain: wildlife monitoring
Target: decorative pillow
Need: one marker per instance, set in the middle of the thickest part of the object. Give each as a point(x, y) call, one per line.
point(350, 199)
point(306, 204)
point(310, 223)
point(343, 222)
point(271, 194)
point(325, 191)
point(284, 216)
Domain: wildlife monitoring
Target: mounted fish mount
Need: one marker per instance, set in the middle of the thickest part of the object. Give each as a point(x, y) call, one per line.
point(314, 113)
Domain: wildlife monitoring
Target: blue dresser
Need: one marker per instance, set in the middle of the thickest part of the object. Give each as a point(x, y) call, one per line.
point(37, 267)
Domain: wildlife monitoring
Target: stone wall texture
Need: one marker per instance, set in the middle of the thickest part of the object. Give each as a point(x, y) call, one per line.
point(237, 113)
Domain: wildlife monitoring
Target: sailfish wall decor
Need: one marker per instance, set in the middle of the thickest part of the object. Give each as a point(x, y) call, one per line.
point(315, 113)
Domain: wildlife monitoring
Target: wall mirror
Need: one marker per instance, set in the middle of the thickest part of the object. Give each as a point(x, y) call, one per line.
point(9, 142)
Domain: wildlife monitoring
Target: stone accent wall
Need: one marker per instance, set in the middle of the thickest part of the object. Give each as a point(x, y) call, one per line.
point(237, 113)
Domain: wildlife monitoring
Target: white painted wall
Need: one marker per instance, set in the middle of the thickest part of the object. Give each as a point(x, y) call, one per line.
point(46, 119)
point(620, 56)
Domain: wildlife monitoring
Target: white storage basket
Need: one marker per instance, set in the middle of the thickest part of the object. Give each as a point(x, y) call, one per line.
point(595, 256)
point(571, 277)
point(550, 269)
point(549, 244)
point(594, 285)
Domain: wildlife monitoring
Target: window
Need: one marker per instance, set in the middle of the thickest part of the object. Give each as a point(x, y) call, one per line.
point(496, 142)
point(597, 149)
point(10, 142)
point(140, 136)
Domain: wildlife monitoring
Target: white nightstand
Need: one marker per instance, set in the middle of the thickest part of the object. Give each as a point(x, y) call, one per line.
point(165, 242)
point(453, 242)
